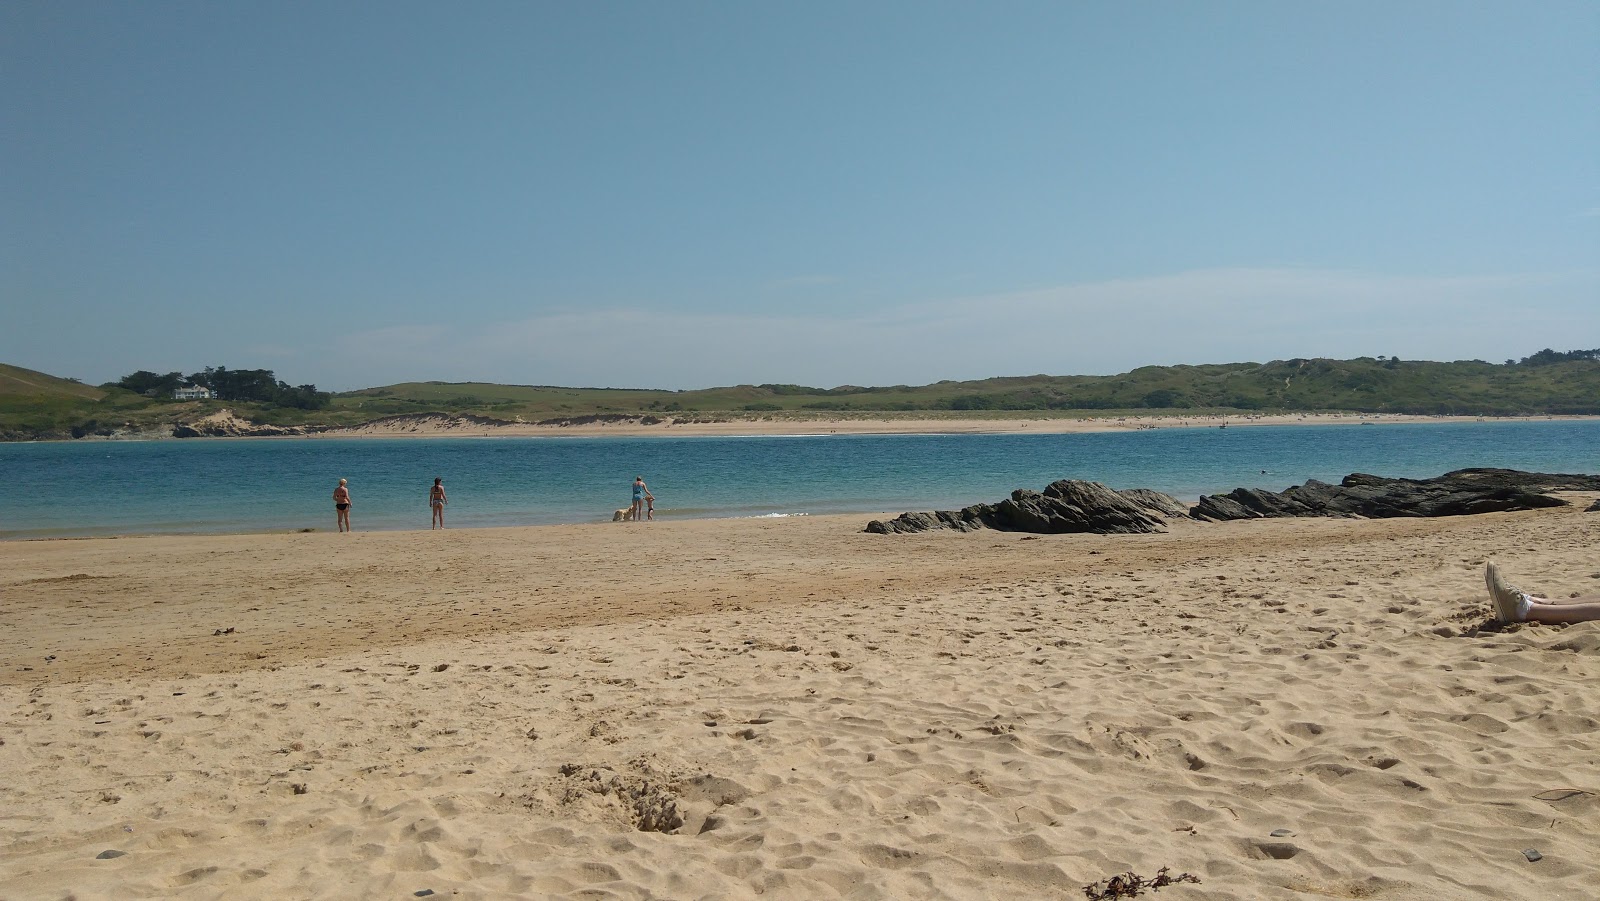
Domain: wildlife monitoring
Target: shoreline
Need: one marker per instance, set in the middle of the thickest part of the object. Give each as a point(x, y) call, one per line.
point(762, 555)
point(443, 425)
point(769, 427)
point(777, 429)
point(449, 425)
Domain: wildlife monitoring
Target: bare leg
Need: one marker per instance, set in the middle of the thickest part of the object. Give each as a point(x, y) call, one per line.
point(1561, 614)
point(1573, 602)
point(1512, 605)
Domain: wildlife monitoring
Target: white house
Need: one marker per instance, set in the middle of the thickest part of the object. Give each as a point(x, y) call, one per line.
point(192, 392)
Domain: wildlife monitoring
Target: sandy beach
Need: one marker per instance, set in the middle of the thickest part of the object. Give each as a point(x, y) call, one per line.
point(791, 708)
point(449, 425)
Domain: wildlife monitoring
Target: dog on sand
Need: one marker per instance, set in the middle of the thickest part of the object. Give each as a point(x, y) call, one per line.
point(623, 515)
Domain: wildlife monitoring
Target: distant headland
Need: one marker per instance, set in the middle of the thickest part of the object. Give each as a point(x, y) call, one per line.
point(218, 402)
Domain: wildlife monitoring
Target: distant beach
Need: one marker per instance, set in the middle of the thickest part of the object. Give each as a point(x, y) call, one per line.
point(446, 425)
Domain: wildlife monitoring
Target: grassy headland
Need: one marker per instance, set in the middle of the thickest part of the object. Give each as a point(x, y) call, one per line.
point(35, 405)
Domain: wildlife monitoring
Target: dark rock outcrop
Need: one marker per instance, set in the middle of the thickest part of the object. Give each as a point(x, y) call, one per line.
point(1459, 493)
point(1594, 507)
point(1064, 506)
point(1073, 506)
point(1161, 504)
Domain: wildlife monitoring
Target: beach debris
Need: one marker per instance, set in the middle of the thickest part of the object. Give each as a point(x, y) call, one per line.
point(422, 893)
point(1552, 795)
point(1532, 854)
point(1131, 884)
point(1281, 833)
point(227, 631)
point(110, 854)
point(439, 668)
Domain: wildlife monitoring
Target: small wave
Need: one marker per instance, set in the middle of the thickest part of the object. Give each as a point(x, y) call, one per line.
point(773, 515)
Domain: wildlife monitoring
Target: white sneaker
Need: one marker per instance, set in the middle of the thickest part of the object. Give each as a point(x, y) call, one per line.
point(1510, 605)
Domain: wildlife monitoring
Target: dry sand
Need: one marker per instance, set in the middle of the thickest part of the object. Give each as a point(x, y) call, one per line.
point(1286, 709)
point(449, 425)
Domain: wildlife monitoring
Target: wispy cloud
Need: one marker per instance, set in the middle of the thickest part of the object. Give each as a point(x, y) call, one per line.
point(1216, 315)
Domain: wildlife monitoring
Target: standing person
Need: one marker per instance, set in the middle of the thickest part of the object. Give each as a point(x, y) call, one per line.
point(341, 506)
point(437, 500)
point(640, 492)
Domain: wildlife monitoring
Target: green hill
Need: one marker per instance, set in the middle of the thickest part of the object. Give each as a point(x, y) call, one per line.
point(1362, 385)
point(35, 405)
point(18, 382)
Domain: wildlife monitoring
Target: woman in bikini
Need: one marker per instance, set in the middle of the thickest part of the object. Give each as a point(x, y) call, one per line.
point(437, 500)
point(341, 506)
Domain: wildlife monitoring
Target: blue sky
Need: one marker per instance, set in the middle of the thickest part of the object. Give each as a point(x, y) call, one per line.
point(691, 194)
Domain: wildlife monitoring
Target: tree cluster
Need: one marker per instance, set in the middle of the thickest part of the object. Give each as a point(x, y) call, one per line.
point(1548, 357)
point(260, 385)
point(151, 384)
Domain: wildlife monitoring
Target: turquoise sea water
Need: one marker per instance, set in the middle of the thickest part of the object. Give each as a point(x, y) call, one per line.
point(136, 487)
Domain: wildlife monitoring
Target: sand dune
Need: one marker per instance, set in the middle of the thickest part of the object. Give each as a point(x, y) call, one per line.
point(794, 709)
